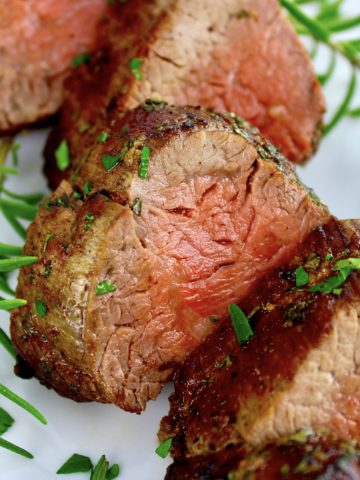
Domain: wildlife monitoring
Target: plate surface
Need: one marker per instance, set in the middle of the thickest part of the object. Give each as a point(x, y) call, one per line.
point(127, 439)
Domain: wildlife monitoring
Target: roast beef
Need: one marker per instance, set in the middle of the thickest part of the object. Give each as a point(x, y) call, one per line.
point(234, 55)
point(216, 209)
point(38, 40)
point(305, 455)
point(300, 369)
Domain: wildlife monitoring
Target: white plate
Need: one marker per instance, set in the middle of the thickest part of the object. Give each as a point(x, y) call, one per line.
point(127, 439)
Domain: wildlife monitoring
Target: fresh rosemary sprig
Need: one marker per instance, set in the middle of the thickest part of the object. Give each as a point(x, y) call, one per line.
point(323, 27)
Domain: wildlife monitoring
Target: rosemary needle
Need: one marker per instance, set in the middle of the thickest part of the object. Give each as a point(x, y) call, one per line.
point(14, 448)
point(9, 264)
point(7, 343)
point(22, 403)
point(11, 304)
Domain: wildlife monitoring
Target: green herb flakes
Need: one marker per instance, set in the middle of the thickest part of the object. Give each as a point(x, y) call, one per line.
point(329, 257)
point(109, 162)
point(301, 277)
point(240, 324)
point(144, 162)
point(136, 206)
point(213, 319)
point(41, 308)
point(87, 188)
point(75, 464)
point(164, 448)
point(104, 287)
point(89, 220)
point(6, 421)
point(135, 65)
point(48, 237)
point(103, 136)
point(62, 156)
point(80, 59)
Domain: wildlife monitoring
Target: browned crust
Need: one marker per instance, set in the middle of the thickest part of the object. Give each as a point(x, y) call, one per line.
point(303, 455)
point(208, 399)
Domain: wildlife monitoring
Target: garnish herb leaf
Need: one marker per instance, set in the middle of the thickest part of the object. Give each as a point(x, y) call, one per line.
point(135, 65)
point(100, 470)
point(14, 448)
point(22, 403)
point(344, 107)
point(113, 472)
point(19, 209)
point(103, 136)
point(87, 188)
point(164, 448)
point(240, 324)
point(144, 162)
point(12, 304)
point(41, 308)
point(75, 464)
point(109, 162)
point(301, 277)
point(48, 237)
point(80, 59)
point(16, 225)
point(332, 284)
point(7, 343)
point(136, 206)
point(62, 156)
point(353, 263)
point(6, 421)
point(10, 249)
point(104, 287)
point(9, 264)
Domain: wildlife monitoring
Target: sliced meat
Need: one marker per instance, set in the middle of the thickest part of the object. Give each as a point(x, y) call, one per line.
point(235, 55)
point(300, 369)
point(218, 208)
point(304, 455)
point(38, 40)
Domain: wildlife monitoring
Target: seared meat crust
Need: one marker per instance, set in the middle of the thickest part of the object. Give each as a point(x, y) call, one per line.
point(236, 55)
point(304, 455)
point(218, 209)
point(299, 370)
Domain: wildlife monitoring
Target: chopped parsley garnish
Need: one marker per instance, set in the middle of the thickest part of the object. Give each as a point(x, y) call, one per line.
point(82, 464)
point(103, 136)
point(240, 324)
point(89, 219)
point(48, 237)
point(135, 65)
point(104, 287)
point(144, 162)
point(332, 284)
point(109, 162)
point(80, 59)
point(76, 464)
point(301, 277)
point(41, 308)
point(328, 257)
point(76, 195)
point(164, 448)
point(153, 104)
point(87, 188)
point(136, 206)
point(6, 421)
point(124, 131)
point(62, 156)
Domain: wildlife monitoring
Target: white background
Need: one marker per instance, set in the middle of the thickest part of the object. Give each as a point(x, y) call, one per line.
point(127, 439)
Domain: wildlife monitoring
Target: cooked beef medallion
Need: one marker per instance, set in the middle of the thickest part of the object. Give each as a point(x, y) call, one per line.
point(305, 455)
point(234, 55)
point(172, 217)
point(38, 41)
point(301, 367)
